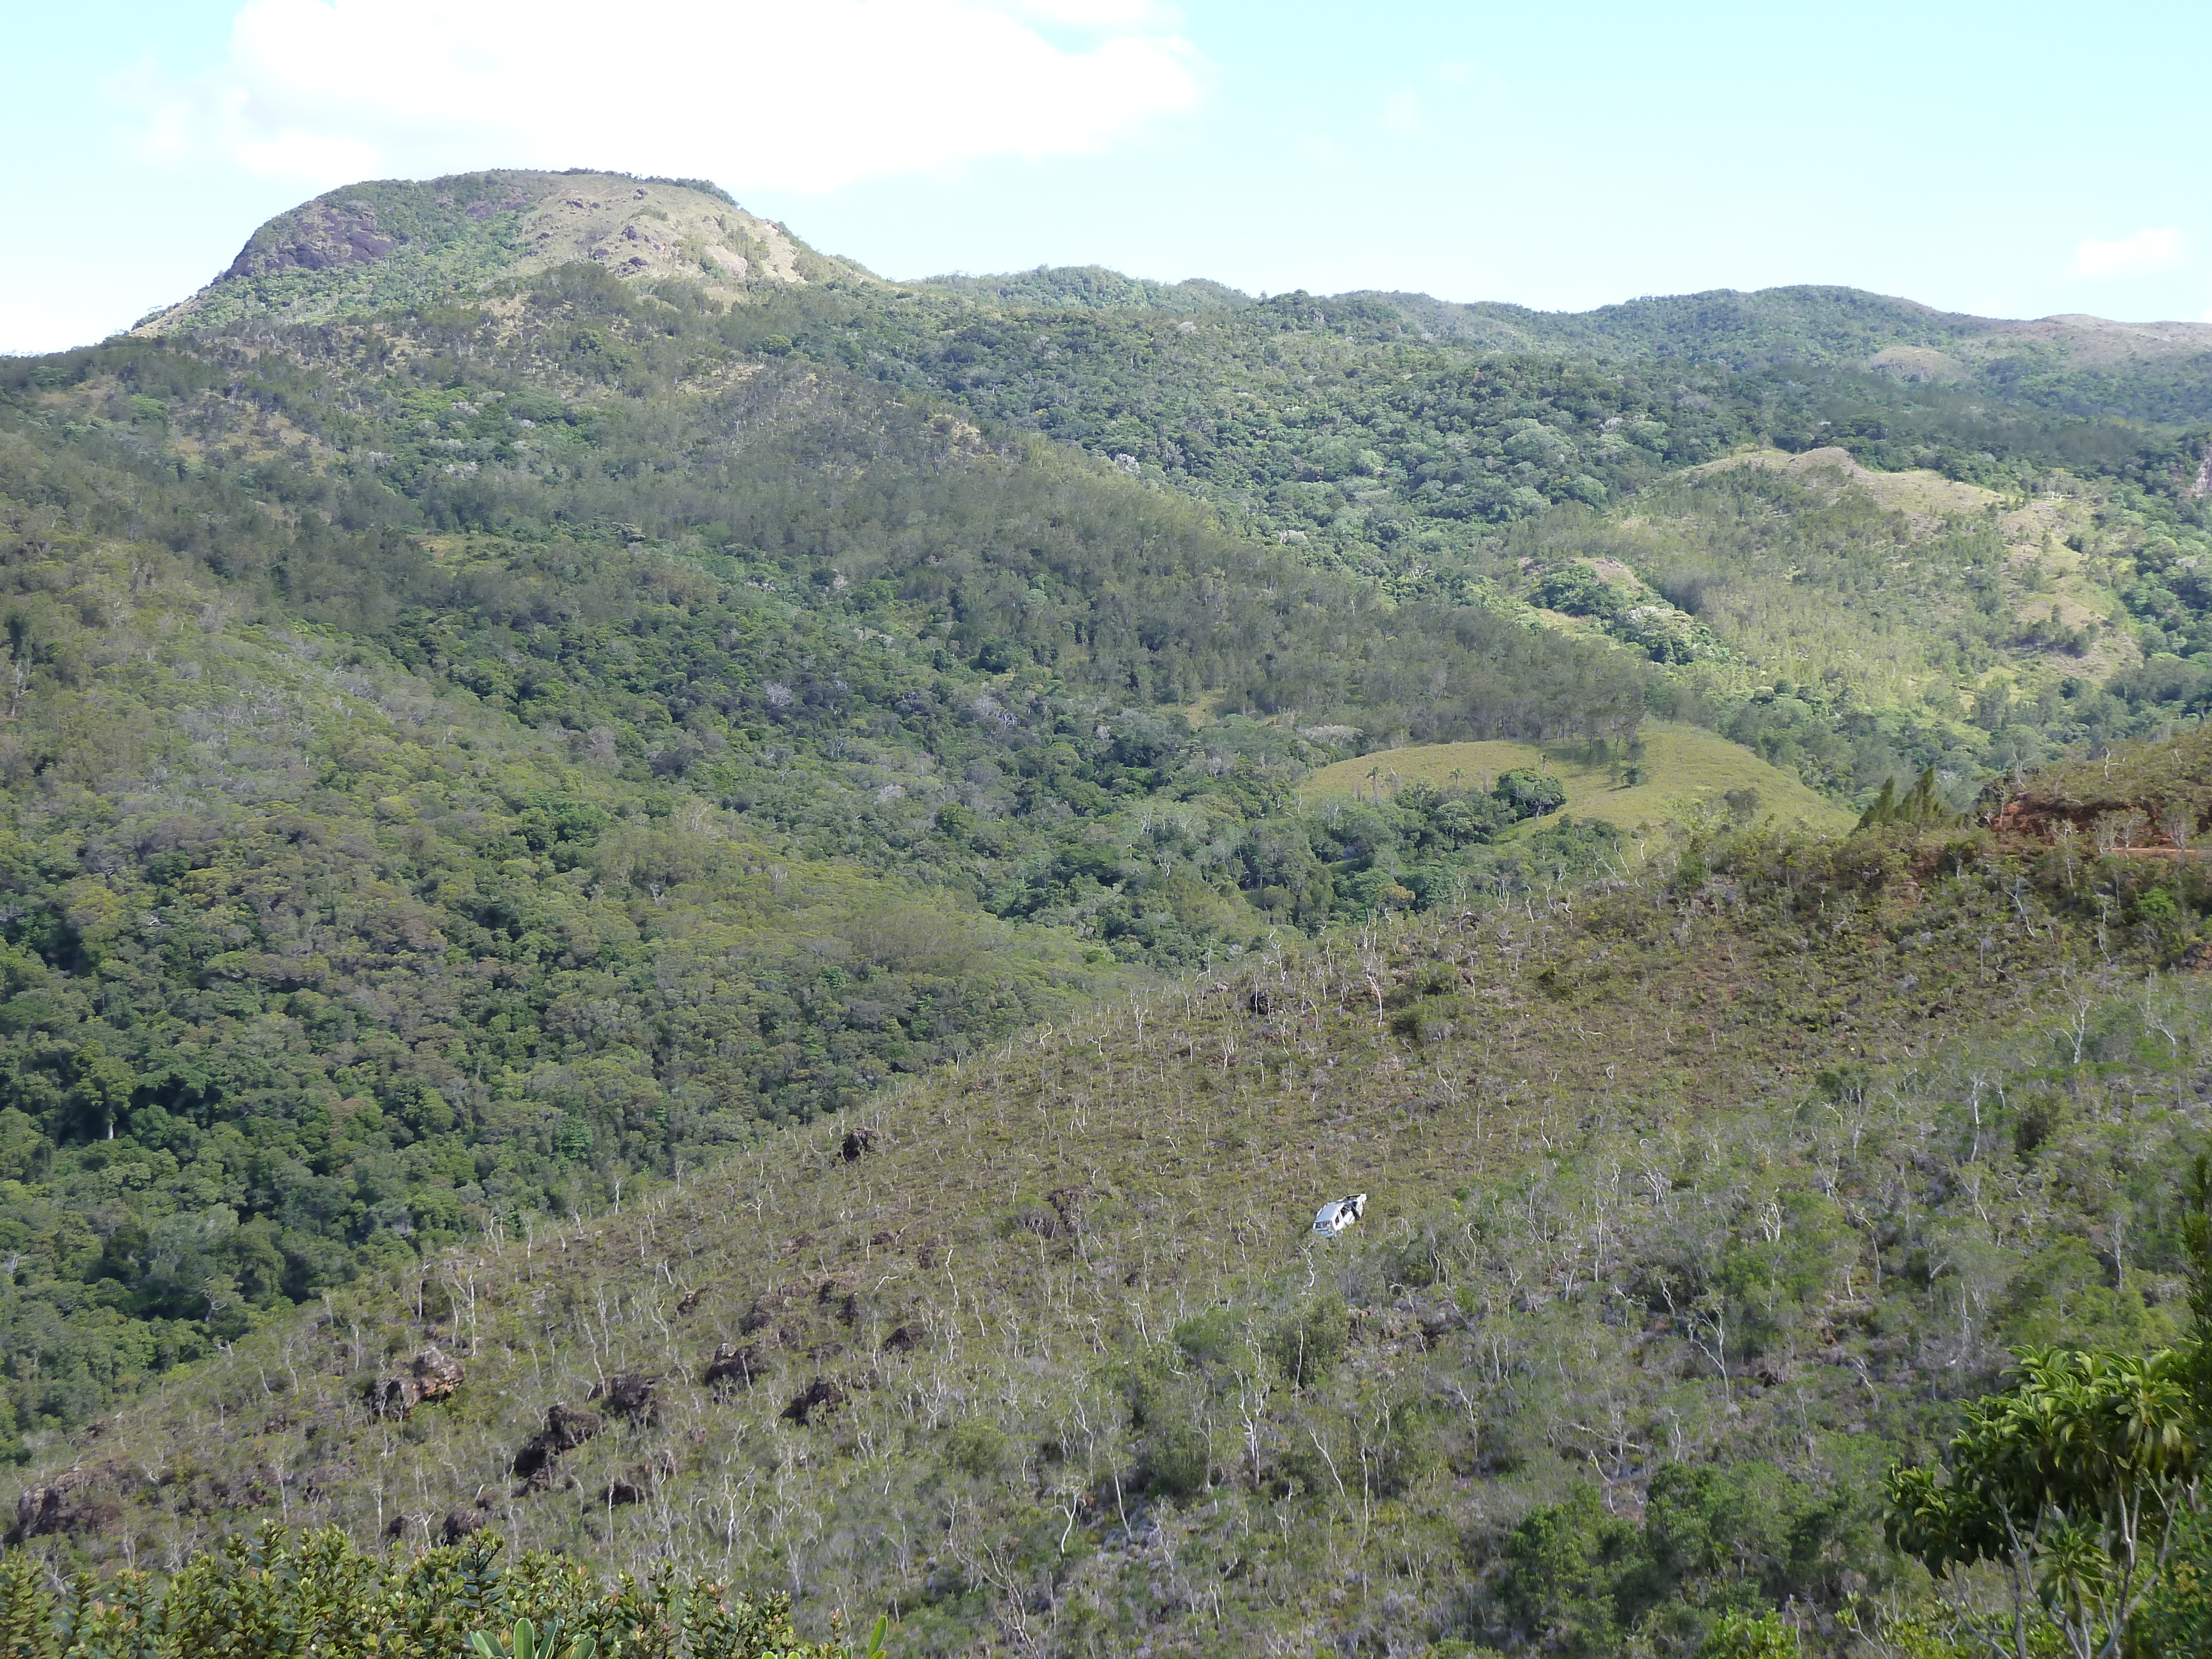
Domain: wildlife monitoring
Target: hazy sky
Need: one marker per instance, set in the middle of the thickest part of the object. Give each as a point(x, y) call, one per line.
point(2012, 160)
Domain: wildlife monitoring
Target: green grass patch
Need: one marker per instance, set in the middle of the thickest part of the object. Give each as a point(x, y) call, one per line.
point(1682, 770)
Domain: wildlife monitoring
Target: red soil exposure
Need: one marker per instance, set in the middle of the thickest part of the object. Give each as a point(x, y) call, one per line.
point(2038, 820)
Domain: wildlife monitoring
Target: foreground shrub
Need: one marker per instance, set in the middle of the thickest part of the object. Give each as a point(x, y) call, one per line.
point(278, 1594)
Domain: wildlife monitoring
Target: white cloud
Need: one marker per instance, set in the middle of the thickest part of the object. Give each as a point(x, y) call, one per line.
point(755, 94)
point(1101, 14)
point(2147, 250)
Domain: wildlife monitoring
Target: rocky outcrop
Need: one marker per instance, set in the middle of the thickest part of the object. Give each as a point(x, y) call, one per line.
point(818, 1398)
point(629, 1393)
point(565, 1430)
point(766, 1306)
point(731, 1366)
point(78, 1500)
point(460, 1523)
point(319, 236)
point(635, 1483)
point(432, 1375)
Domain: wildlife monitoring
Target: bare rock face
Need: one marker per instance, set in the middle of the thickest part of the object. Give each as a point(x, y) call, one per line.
point(316, 237)
point(629, 1393)
point(821, 1396)
point(394, 1397)
point(859, 1141)
point(906, 1339)
point(72, 1502)
point(432, 1375)
point(565, 1430)
point(437, 1374)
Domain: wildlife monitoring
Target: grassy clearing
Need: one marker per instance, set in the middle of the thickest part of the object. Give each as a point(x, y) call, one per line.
point(1927, 498)
point(1686, 769)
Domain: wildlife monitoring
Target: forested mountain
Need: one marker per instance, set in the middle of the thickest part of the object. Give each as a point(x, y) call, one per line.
point(533, 691)
point(478, 764)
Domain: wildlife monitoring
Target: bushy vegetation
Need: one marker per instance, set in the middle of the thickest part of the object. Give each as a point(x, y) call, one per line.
point(684, 931)
point(1695, 1200)
point(1352, 428)
point(1370, 434)
point(272, 1594)
point(402, 845)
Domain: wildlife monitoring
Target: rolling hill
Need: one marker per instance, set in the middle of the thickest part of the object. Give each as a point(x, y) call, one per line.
point(664, 900)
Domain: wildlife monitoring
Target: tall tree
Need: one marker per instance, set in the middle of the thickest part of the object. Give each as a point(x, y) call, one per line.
point(2081, 1485)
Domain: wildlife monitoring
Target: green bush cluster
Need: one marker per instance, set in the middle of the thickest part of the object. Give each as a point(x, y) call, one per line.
point(274, 1593)
point(1712, 1546)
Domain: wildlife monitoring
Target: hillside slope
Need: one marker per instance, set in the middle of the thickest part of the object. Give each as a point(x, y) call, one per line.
point(466, 764)
point(2078, 364)
point(1822, 326)
point(1691, 1199)
point(550, 719)
point(723, 847)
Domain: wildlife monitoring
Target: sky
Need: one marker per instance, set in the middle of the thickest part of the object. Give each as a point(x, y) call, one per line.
point(2015, 159)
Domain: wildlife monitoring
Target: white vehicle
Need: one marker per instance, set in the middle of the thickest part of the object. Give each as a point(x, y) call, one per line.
point(1339, 1213)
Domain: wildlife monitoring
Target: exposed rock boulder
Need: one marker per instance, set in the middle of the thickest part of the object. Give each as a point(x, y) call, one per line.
point(565, 1430)
point(822, 1395)
point(629, 1393)
point(72, 1502)
point(1068, 1205)
point(461, 1524)
point(859, 1140)
point(635, 1483)
point(730, 1366)
point(766, 1306)
point(432, 1375)
point(840, 1292)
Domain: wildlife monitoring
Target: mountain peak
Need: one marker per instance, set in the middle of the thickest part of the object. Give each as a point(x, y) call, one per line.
point(384, 242)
